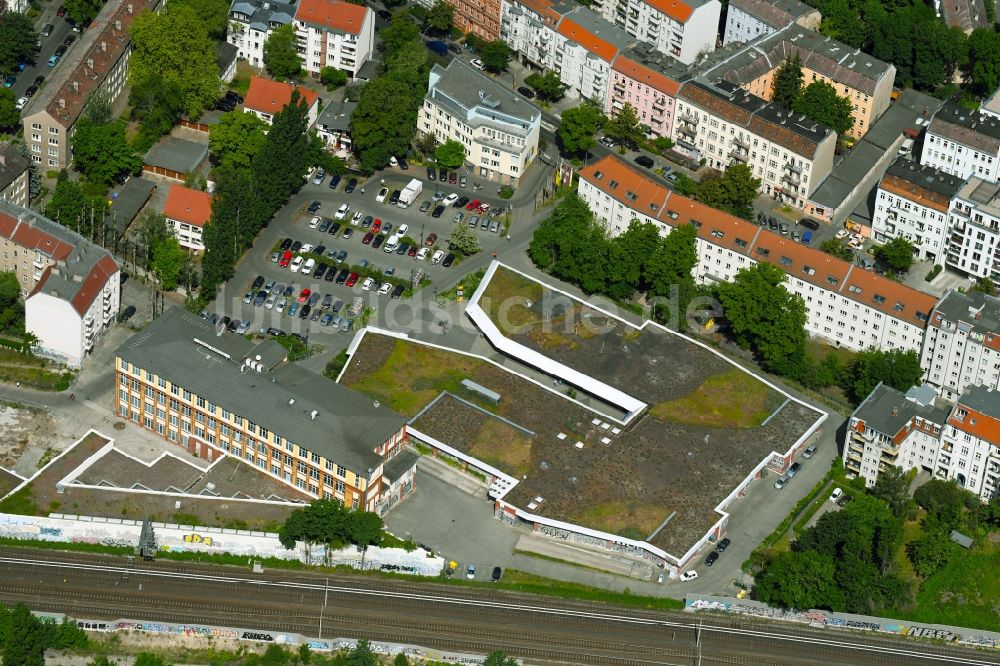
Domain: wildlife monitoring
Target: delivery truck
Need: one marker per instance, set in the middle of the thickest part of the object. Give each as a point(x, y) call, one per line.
point(410, 193)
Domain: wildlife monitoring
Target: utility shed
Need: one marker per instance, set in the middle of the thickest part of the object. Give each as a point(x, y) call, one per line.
point(491, 396)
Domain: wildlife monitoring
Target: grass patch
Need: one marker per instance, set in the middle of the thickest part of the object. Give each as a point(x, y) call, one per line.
point(21, 503)
point(549, 558)
point(629, 519)
point(469, 284)
point(518, 581)
point(413, 375)
point(732, 399)
point(505, 301)
point(297, 349)
point(46, 458)
point(33, 371)
point(499, 444)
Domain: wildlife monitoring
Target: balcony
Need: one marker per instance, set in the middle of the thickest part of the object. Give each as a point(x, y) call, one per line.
point(688, 117)
point(793, 168)
point(739, 154)
point(792, 178)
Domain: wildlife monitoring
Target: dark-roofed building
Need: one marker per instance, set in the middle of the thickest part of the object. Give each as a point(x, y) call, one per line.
point(70, 285)
point(99, 62)
point(334, 125)
point(962, 343)
point(846, 305)
point(963, 143)
point(13, 175)
point(724, 124)
point(127, 204)
point(174, 159)
point(864, 80)
point(746, 20)
point(216, 393)
point(966, 15)
point(226, 60)
point(251, 23)
point(912, 202)
point(498, 128)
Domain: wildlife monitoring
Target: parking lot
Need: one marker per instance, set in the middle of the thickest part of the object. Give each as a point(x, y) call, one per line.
point(294, 221)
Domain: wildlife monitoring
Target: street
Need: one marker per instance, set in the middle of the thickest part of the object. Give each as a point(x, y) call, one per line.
point(61, 30)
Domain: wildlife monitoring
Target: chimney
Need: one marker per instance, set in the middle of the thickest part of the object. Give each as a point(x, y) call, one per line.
point(313, 414)
point(291, 401)
point(895, 411)
point(62, 102)
point(3, 159)
point(77, 278)
point(118, 25)
point(76, 86)
point(90, 63)
point(129, 7)
point(104, 46)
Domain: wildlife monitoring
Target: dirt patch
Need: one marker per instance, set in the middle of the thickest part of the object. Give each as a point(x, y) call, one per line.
point(22, 428)
point(733, 399)
point(508, 300)
point(629, 519)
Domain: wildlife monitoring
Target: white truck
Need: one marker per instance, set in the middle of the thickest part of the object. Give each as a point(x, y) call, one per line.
point(410, 193)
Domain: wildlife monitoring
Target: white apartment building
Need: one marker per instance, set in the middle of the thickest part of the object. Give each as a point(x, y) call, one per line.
point(251, 22)
point(584, 46)
point(724, 124)
point(187, 211)
point(974, 244)
point(681, 29)
point(962, 344)
point(846, 305)
point(963, 143)
point(498, 128)
point(890, 428)
point(529, 28)
point(71, 287)
point(334, 33)
point(970, 442)
point(912, 202)
point(746, 20)
point(14, 186)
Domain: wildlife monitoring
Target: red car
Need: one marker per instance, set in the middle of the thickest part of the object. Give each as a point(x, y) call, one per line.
point(412, 252)
point(376, 226)
point(474, 204)
point(61, 11)
point(304, 296)
point(431, 240)
point(286, 259)
point(352, 279)
point(368, 238)
point(452, 178)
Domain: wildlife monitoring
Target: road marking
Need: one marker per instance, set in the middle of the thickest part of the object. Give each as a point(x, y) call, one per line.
point(497, 605)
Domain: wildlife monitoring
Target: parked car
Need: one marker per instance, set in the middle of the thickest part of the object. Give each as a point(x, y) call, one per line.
point(780, 483)
point(351, 184)
point(437, 211)
point(334, 181)
point(431, 173)
point(450, 199)
point(478, 64)
point(319, 175)
point(403, 164)
point(343, 275)
point(712, 557)
point(722, 545)
point(342, 211)
point(462, 201)
point(471, 572)
point(376, 226)
point(448, 260)
point(496, 574)
point(644, 161)
point(304, 295)
point(431, 239)
point(425, 206)
point(382, 194)
point(368, 238)
point(385, 288)
point(367, 284)
point(809, 453)
point(794, 469)
point(377, 241)
point(334, 229)
point(367, 222)
point(394, 198)
point(314, 206)
point(527, 92)
point(352, 279)
point(127, 313)
point(688, 575)
point(397, 291)
point(835, 495)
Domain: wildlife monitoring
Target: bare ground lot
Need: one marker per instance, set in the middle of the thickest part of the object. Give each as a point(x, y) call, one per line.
point(626, 486)
point(41, 497)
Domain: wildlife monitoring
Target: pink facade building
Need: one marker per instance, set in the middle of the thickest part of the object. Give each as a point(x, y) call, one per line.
point(650, 92)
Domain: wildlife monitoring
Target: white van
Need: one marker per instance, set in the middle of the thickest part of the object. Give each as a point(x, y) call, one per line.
point(438, 256)
point(391, 244)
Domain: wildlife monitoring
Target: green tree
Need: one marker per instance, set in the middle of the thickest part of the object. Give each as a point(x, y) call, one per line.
point(463, 242)
point(787, 82)
point(577, 128)
point(396, 35)
point(280, 164)
point(11, 307)
point(237, 138)
point(168, 261)
point(984, 60)
point(897, 368)
point(820, 102)
point(624, 127)
point(944, 499)
point(800, 580)
point(496, 56)
point(834, 247)
point(362, 655)
point(280, 55)
point(685, 185)
point(450, 154)
point(400, 660)
point(441, 17)
point(384, 121)
point(931, 551)
point(364, 530)
point(81, 11)
point(668, 270)
point(150, 659)
point(765, 317)
point(841, 21)
point(734, 192)
point(214, 14)
point(547, 85)
point(897, 254)
point(17, 40)
point(9, 115)
point(986, 286)
point(71, 207)
point(101, 152)
point(174, 46)
point(571, 245)
point(332, 78)
point(24, 644)
point(937, 52)
point(893, 488)
point(498, 658)
point(157, 105)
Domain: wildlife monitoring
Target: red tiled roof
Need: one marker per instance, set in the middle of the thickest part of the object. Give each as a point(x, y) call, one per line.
point(604, 50)
point(271, 97)
point(332, 14)
point(31, 237)
point(678, 11)
point(187, 205)
point(722, 229)
point(912, 191)
point(647, 76)
point(985, 427)
point(103, 270)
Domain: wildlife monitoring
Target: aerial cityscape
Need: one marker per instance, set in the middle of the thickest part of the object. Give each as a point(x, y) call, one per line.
point(499, 332)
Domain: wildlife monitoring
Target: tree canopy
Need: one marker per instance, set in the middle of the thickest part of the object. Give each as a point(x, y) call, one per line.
point(25, 638)
point(897, 254)
point(102, 152)
point(463, 242)
point(441, 16)
point(496, 56)
point(897, 368)
point(157, 105)
point(236, 138)
point(173, 46)
point(787, 82)
point(214, 14)
point(9, 115)
point(820, 102)
point(733, 192)
point(577, 128)
point(280, 55)
point(17, 40)
point(624, 127)
point(330, 523)
point(548, 85)
point(81, 11)
point(450, 154)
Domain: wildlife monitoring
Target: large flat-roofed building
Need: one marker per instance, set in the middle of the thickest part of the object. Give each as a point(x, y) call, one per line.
point(864, 80)
point(215, 393)
point(498, 128)
point(681, 29)
point(100, 65)
point(912, 202)
point(13, 175)
point(846, 305)
point(71, 287)
point(963, 143)
point(724, 124)
point(974, 220)
point(746, 20)
point(251, 22)
point(962, 343)
point(334, 33)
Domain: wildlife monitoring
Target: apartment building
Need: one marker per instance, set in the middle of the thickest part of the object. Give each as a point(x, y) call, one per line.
point(746, 20)
point(480, 17)
point(71, 287)
point(724, 124)
point(529, 28)
point(187, 211)
point(649, 81)
point(100, 66)
point(498, 128)
point(864, 80)
point(265, 98)
point(13, 175)
point(963, 143)
point(970, 442)
point(681, 29)
point(912, 202)
point(974, 220)
point(251, 22)
point(846, 305)
point(216, 393)
point(334, 33)
point(584, 46)
point(962, 344)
